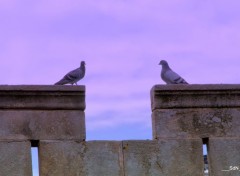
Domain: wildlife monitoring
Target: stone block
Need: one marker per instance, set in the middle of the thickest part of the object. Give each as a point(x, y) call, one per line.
point(224, 156)
point(15, 158)
point(163, 158)
point(104, 158)
point(196, 123)
point(195, 96)
point(42, 125)
point(38, 97)
point(61, 158)
point(80, 159)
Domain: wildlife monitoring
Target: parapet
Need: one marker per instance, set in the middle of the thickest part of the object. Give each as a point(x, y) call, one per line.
point(184, 117)
point(195, 96)
point(42, 113)
point(207, 113)
point(31, 97)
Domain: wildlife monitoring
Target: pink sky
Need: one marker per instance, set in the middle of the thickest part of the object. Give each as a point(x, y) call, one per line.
point(122, 43)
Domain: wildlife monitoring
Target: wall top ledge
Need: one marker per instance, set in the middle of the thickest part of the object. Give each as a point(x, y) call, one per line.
point(195, 96)
point(42, 97)
point(44, 88)
point(196, 87)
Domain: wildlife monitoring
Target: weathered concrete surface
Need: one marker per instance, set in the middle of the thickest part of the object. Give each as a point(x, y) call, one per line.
point(195, 96)
point(42, 125)
point(61, 158)
point(224, 156)
point(80, 159)
point(200, 111)
point(36, 97)
point(196, 123)
point(163, 158)
point(103, 158)
point(182, 115)
point(15, 159)
point(127, 158)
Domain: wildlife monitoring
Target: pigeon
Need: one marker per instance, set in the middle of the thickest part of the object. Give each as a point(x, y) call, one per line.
point(169, 76)
point(73, 76)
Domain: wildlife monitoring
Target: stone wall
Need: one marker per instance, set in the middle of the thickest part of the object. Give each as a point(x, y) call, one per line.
point(30, 115)
point(183, 117)
point(207, 113)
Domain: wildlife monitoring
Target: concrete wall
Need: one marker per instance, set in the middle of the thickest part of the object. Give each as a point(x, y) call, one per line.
point(210, 113)
point(183, 116)
point(37, 113)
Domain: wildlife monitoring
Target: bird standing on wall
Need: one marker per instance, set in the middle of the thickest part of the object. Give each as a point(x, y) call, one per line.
point(169, 76)
point(73, 76)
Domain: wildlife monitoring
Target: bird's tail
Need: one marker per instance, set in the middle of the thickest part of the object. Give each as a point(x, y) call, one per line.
point(57, 83)
point(61, 82)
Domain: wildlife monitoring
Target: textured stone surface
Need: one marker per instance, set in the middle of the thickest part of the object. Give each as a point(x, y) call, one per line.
point(15, 159)
point(182, 115)
point(61, 158)
point(42, 97)
point(163, 158)
point(103, 158)
point(195, 96)
point(80, 159)
point(195, 123)
point(36, 125)
point(224, 156)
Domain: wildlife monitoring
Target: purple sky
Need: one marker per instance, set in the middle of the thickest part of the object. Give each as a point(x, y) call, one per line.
point(122, 43)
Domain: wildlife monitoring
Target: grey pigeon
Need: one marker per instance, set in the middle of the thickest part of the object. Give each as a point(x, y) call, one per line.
point(73, 76)
point(169, 76)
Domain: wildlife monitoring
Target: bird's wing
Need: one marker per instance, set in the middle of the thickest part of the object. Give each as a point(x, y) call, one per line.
point(173, 78)
point(70, 77)
point(73, 75)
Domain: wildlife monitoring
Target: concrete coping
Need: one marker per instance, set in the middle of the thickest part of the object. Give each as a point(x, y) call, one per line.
point(195, 96)
point(43, 88)
point(42, 97)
